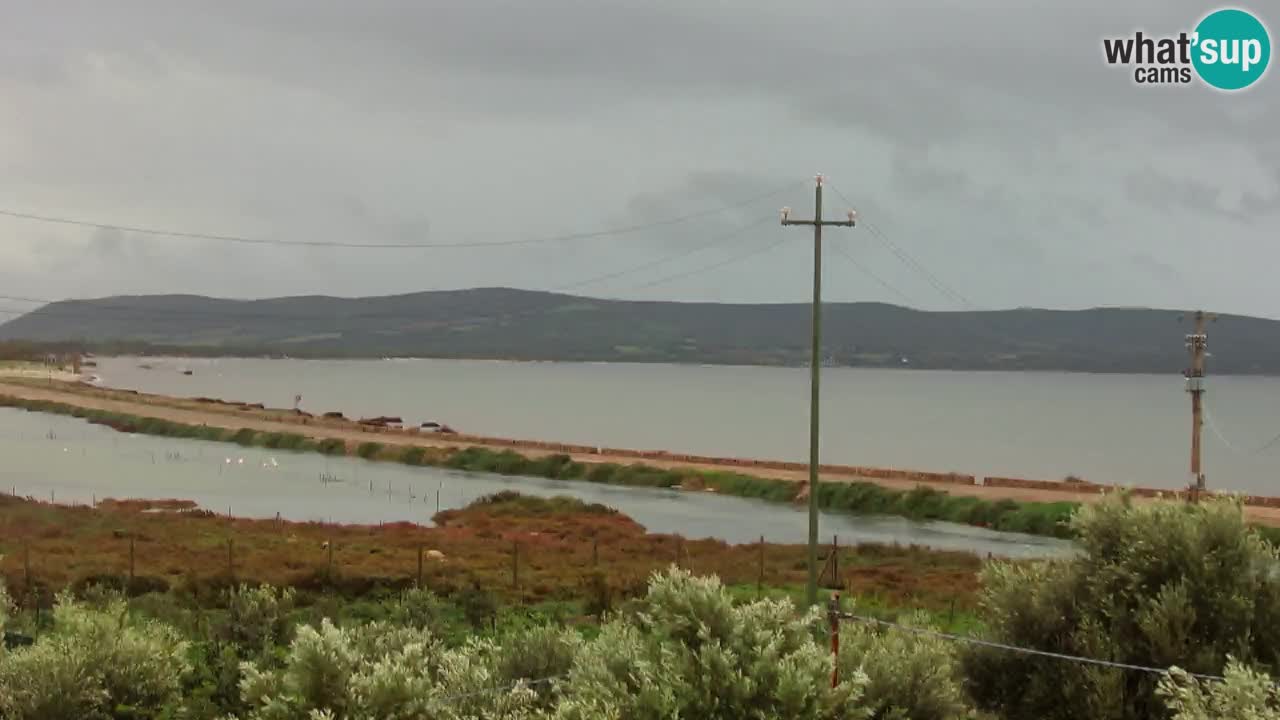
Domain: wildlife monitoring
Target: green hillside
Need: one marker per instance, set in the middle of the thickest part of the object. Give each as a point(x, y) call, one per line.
point(528, 325)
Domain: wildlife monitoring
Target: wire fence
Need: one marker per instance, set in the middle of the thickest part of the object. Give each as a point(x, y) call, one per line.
point(836, 616)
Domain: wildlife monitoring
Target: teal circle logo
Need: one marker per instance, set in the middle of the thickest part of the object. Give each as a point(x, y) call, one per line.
point(1232, 49)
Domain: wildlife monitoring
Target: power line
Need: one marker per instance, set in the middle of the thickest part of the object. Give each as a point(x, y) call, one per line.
point(183, 234)
point(1016, 649)
point(663, 260)
point(906, 258)
point(713, 266)
point(1211, 421)
point(160, 312)
point(867, 271)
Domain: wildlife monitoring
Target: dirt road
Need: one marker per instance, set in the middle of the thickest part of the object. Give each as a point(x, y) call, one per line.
point(235, 417)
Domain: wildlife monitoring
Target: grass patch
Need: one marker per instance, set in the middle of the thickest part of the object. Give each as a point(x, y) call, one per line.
point(926, 503)
point(244, 436)
point(332, 446)
point(509, 502)
point(284, 441)
point(413, 456)
point(369, 450)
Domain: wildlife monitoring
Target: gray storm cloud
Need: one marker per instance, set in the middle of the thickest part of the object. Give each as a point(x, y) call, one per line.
point(991, 142)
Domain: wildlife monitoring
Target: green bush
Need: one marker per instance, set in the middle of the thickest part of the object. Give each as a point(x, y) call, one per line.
point(908, 675)
point(244, 436)
point(378, 671)
point(332, 446)
point(1155, 584)
point(687, 651)
point(534, 654)
point(510, 502)
point(94, 664)
point(369, 450)
point(1246, 694)
point(284, 441)
point(413, 455)
point(257, 618)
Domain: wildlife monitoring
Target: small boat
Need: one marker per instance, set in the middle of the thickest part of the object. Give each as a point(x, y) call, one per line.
point(187, 372)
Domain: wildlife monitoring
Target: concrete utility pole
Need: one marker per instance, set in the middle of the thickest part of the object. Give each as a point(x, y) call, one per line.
point(1197, 343)
point(815, 372)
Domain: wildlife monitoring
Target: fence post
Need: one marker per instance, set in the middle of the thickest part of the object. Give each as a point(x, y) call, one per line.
point(760, 576)
point(835, 561)
point(515, 564)
point(419, 584)
point(595, 551)
point(833, 614)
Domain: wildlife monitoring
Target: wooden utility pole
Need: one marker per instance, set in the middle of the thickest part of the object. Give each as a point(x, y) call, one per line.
point(815, 363)
point(1197, 343)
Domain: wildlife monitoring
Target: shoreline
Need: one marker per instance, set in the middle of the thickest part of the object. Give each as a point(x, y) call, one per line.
point(1017, 488)
point(253, 418)
point(673, 363)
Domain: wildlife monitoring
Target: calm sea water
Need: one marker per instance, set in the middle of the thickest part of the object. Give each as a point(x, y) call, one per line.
point(66, 460)
point(1120, 429)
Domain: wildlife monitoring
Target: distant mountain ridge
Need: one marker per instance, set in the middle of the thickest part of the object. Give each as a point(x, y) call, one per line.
point(512, 324)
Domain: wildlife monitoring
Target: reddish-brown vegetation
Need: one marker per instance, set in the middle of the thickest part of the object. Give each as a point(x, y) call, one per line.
point(563, 552)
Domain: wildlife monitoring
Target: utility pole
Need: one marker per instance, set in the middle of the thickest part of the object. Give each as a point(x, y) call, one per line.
point(815, 373)
point(1197, 343)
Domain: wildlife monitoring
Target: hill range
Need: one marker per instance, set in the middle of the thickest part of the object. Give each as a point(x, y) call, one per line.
point(500, 323)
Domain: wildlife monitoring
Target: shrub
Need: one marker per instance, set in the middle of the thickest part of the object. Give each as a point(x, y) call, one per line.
point(95, 664)
point(332, 446)
point(6, 607)
point(1246, 694)
point(377, 671)
point(535, 654)
point(257, 618)
point(244, 436)
point(284, 441)
point(417, 608)
point(687, 651)
point(908, 675)
point(369, 450)
point(413, 455)
point(1156, 584)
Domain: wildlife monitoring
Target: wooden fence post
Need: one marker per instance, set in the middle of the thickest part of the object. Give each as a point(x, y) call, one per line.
point(835, 561)
point(419, 583)
point(515, 564)
point(760, 576)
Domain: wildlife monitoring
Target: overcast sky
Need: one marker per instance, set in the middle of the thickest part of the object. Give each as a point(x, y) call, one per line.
point(989, 141)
